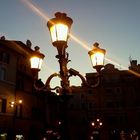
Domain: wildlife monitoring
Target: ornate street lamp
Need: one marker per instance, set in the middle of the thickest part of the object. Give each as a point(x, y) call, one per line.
point(36, 59)
point(95, 128)
point(36, 62)
point(97, 124)
point(97, 57)
point(59, 28)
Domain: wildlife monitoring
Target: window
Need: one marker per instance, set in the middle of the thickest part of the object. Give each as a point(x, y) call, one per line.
point(118, 90)
point(3, 105)
point(109, 91)
point(22, 67)
point(4, 57)
point(3, 136)
point(112, 120)
point(83, 106)
point(20, 84)
point(36, 114)
point(110, 104)
point(2, 73)
point(82, 96)
point(90, 92)
point(71, 106)
point(90, 106)
point(19, 110)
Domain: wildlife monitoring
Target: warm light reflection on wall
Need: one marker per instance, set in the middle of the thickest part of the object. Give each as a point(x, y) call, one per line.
point(20, 101)
point(12, 104)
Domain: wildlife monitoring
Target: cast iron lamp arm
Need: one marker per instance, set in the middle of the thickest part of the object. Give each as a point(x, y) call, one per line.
point(98, 77)
point(49, 80)
point(73, 72)
point(47, 87)
point(84, 82)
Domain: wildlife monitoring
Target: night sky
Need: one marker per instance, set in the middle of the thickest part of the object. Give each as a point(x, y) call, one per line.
point(115, 24)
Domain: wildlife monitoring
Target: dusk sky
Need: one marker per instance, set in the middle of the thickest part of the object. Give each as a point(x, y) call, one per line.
point(115, 24)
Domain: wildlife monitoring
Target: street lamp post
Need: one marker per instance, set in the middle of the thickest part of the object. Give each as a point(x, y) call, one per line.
point(59, 28)
point(97, 57)
point(96, 125)
point(17, 112)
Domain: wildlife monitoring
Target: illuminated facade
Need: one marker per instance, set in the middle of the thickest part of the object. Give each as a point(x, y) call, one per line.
point(21, 109)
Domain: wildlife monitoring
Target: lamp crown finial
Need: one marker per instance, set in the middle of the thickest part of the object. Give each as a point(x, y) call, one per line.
point(96, 44)
point(60, 15)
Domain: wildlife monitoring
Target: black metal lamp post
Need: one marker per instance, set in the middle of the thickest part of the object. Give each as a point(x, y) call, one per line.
point(59, 28)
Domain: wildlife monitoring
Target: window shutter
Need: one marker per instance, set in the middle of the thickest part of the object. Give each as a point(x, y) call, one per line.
point(4, 101)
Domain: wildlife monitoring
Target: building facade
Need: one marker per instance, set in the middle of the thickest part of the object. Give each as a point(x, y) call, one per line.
point(116, 101)
point(21, 108)
point(109, 112)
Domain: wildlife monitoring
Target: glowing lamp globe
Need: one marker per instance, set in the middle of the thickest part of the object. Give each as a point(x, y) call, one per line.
point(36, 59)
point(97, 57)
point(59, 28)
